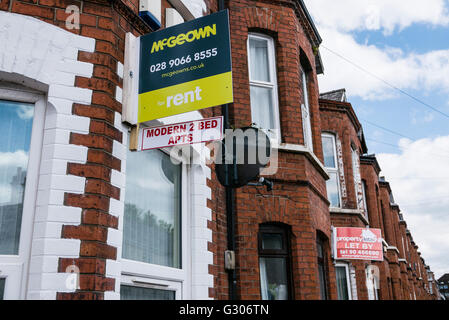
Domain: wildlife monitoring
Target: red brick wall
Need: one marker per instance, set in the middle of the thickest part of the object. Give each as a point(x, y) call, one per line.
point(299, 195)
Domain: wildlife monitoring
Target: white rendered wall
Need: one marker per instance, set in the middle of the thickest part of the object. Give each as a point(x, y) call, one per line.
point(48, 54)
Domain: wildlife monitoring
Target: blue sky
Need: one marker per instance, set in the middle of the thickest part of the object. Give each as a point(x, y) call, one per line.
point(15, 133)
point(405, 43)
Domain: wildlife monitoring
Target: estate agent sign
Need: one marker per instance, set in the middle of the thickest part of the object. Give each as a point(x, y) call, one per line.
point(177, 134)
point(358, 244)
point(186, 67)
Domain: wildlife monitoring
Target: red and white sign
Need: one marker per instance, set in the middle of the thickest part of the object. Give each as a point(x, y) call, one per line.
point(358, 244)
point(177, 134)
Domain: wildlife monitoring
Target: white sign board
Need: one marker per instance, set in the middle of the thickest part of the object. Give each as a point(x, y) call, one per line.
point(177, 134)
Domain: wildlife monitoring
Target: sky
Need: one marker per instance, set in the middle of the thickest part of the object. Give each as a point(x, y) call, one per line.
point(382, 52)
point(15, 133)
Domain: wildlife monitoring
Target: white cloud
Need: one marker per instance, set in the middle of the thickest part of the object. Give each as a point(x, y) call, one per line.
point(337, 19)
point(419, 178)
point(15, 159)
point(385, 15)
point(426, 71)
point(25, 112)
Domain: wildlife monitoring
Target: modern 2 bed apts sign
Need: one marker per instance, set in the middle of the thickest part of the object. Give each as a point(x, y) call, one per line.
point(186, 67)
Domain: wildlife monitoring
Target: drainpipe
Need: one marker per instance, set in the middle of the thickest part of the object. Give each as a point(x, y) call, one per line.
point(230, 219)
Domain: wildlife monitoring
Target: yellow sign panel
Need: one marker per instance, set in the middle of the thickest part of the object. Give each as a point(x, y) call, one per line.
point(185, 97)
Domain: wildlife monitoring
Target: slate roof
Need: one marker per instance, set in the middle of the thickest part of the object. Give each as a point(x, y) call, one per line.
point(335, 95)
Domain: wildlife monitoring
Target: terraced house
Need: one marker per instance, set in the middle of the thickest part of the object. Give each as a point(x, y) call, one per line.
point(84, 217)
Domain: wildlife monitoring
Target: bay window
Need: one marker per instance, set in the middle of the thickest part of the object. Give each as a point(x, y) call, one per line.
point(274, 260)
point(331, 164)
point(263, 84)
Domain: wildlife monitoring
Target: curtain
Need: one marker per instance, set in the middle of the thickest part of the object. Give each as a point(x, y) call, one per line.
point(259, 63)
point(15, 131)
point(152, 222)
point(273, 278)
point(263, 279)
point(342, 283)
point(262, 106)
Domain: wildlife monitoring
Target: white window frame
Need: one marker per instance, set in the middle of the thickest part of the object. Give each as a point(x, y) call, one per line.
point(365, 202)
point(356, 175)
point(305, 111)
point(153, 283)
point(15, 267)
point(334, 170)
point(348, 279)
point(273, 85)
point(168, 278)
point(369, 277)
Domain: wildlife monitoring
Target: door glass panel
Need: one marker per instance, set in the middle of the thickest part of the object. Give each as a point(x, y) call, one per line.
point(2, 288)
point(342, 283)
point(152, 222)
point(259, 67)
point(16, 121)
point(273, 278)
point(138, 293)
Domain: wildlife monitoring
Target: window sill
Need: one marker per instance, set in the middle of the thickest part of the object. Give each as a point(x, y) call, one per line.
point(300, 149)
point(356, 212)
point(393, 249)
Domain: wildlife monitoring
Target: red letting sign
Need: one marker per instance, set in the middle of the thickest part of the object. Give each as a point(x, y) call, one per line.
point(358, 244)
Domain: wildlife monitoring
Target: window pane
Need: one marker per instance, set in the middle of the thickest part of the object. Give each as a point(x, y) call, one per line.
point(333, 194)
point(259, 63)
point(319, 248)
point(16, 121)
point(138, 293)
point(322, 276)
point(305, 95)
point(2, 288)
point(342, 283)
point(329, 152)
point(152, 220)
point(262, 107)
point(272, 241)
point(273, 278)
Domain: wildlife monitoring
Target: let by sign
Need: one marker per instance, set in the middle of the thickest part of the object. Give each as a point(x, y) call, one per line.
point(177, 134)
point(358, 244)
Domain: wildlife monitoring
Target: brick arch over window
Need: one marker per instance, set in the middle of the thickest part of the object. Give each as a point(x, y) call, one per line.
point(42, 56)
